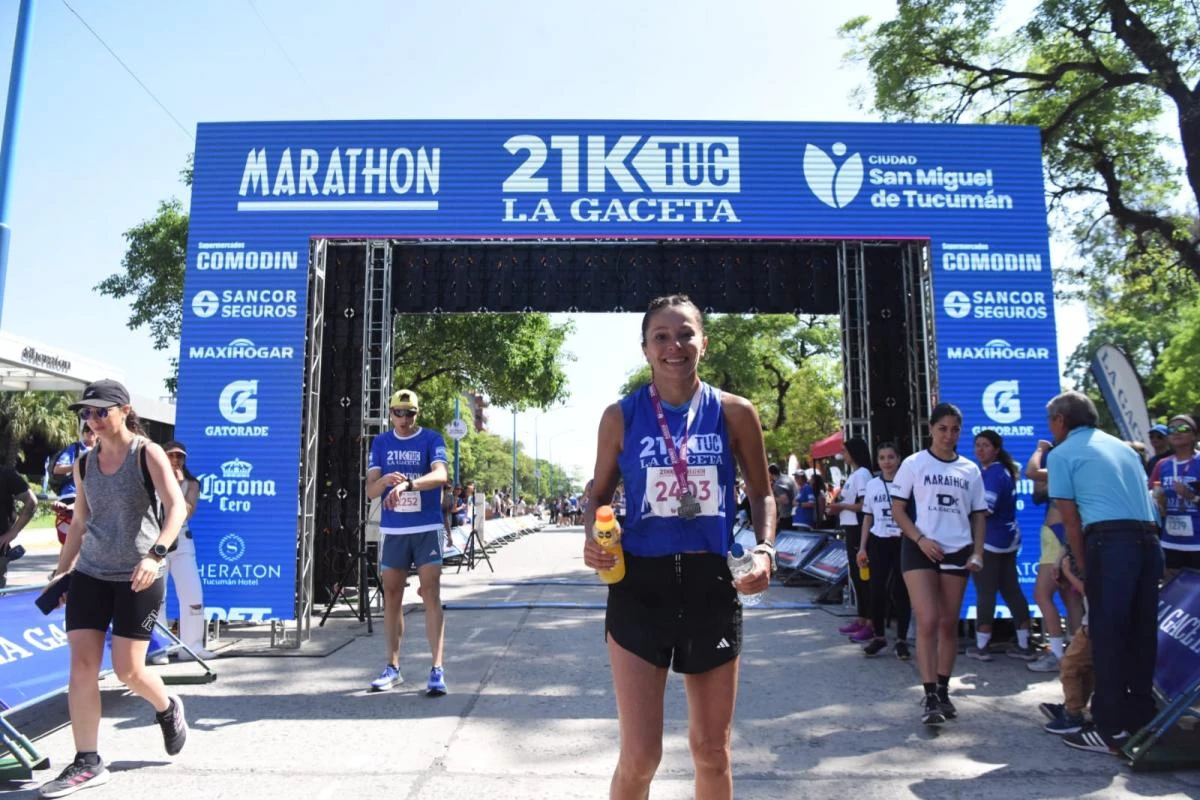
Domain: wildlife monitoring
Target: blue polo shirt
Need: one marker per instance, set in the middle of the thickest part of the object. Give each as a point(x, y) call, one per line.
point(1102, 474)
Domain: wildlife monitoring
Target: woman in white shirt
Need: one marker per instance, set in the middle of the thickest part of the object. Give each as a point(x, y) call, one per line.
point(880, 549)
point(941, 545)
point(849, 507)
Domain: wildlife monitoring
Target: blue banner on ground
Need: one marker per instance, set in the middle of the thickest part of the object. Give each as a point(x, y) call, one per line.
point(263, 191)
point(35, 659)
point(1178, 664)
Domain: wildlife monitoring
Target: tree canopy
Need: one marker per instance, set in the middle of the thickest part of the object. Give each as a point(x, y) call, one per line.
point(1115, 89)
point(1099, 77)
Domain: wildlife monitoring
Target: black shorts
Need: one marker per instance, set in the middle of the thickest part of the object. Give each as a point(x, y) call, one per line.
point(677, 611)
point(92, 604)
point(953, 562)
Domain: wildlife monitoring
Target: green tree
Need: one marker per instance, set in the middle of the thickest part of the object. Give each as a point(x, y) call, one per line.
point(1098, 77)
point(154, 264)
point(517, 360)
point(27, 415)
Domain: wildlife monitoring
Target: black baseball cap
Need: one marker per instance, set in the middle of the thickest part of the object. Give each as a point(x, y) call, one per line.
point(102, 394)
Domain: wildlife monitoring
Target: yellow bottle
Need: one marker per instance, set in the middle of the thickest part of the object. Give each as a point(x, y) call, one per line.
point(864, 572)
point(607, 533)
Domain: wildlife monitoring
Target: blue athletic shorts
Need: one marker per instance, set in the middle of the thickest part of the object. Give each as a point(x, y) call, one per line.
point(408, 551)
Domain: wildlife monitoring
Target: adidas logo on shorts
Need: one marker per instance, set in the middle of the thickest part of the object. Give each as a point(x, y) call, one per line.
point(434, 553)
point(723, 644)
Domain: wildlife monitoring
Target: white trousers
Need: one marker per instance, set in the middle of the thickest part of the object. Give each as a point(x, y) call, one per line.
point(181, 567)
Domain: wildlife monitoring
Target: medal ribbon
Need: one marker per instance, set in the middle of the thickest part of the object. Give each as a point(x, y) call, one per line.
point(678, 455)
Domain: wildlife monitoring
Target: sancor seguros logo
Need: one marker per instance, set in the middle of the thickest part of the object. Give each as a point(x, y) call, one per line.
point(835, 185)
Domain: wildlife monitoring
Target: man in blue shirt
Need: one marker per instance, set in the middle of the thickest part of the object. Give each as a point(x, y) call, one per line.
point(407, 468)
point(1096, 482)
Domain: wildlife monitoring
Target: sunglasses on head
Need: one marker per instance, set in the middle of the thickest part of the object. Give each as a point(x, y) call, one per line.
point(86, 413)
point(403, 412)
point(1181, 428)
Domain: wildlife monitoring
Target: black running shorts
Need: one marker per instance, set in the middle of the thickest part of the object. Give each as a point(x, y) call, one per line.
point(677, 611)
point(953, 562)
point(92, 604)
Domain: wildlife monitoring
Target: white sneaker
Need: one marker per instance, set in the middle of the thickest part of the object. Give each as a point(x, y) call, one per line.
point(159, 659)
point(1046, 662)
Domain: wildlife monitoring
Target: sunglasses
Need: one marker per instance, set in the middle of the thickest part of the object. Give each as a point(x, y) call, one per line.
point(86, 413)
point(403, 412)
point(1180, 429)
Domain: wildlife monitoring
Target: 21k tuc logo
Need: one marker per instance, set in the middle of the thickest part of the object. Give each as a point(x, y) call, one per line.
point(834, 184)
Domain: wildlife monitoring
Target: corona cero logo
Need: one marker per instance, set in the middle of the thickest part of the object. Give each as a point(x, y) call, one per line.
point(835, 184)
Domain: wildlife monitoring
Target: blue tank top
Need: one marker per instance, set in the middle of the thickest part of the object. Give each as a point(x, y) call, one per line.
point(1181, 528)
point(652, 527)
point(413, 456)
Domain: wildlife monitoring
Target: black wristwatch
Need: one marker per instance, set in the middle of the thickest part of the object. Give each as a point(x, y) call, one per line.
point(158, 552)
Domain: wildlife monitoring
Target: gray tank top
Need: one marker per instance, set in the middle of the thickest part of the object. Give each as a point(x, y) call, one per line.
point(121, 526)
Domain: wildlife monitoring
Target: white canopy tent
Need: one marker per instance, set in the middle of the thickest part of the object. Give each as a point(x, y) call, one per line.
point(26, 365)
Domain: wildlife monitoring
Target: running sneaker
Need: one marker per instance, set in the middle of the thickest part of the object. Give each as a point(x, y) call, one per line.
point(876, 647)
point(1052, 710)
point(1064, 725)
point(931, 711)
point(1026, 653)
point(174, 726)
point(863, 634)
point(437, 682)
point(387, 679)
point(1046, 662)
point(78, 775)
point(948, 709)
point(902, 651)
point(1090, 738)
point(979, 655)
point(159, 659)
point(851, 627)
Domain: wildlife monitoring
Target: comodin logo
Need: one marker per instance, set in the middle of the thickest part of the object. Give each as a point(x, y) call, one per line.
point(835, 185)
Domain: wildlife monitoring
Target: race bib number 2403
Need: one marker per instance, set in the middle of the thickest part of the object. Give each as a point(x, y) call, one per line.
point(663, 490)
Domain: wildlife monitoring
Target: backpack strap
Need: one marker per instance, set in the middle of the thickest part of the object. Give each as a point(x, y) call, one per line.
point(148, 482)
point(83, 466)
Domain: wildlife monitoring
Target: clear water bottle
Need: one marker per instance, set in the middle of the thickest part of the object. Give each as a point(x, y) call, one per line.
point(742, 563)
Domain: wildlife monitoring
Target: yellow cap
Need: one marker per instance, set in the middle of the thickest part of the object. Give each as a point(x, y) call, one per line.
point(407, 399)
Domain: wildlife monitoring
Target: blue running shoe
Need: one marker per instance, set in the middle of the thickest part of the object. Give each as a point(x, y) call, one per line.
point(387, 679)
point(437, 682)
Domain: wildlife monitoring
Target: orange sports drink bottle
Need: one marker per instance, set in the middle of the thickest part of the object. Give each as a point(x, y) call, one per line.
point(607, 533)
point(864, 572)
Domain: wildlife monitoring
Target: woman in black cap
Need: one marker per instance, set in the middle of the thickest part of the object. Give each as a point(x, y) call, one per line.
point(114, 553)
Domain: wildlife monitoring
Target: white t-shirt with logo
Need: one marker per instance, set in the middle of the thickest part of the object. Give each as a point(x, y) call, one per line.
point(944, 493)
point(853, 489)
point(877, 502)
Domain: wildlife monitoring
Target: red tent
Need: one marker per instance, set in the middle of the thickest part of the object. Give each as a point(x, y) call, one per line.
point(829, 446)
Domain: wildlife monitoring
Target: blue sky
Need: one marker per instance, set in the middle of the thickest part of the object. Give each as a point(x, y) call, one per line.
point(95, 154)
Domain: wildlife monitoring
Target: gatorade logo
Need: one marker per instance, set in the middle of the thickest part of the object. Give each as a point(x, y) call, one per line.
point(1002, 401)
point(835, 185)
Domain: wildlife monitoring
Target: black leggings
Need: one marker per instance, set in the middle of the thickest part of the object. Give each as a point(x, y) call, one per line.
point(862, 591)
point(999, 573)
point(887, 586)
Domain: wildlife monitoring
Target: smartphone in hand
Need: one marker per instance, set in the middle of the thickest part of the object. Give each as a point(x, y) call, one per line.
point(49, 599)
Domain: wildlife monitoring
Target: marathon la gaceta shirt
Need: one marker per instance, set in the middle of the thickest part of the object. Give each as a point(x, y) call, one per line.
point(853, 489)
point(877, 502)
point(1181, 530)
point(412, 457)
point(652, 523)
point(944, 494)
point(1000, 492)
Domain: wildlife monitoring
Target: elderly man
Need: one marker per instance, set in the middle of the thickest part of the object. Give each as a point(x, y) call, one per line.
point(1096, 482)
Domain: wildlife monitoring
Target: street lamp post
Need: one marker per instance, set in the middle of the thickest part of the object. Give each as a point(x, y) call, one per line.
point(8, 145)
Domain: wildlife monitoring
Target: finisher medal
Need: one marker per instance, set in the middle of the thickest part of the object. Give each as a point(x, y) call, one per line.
point(689, 506)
